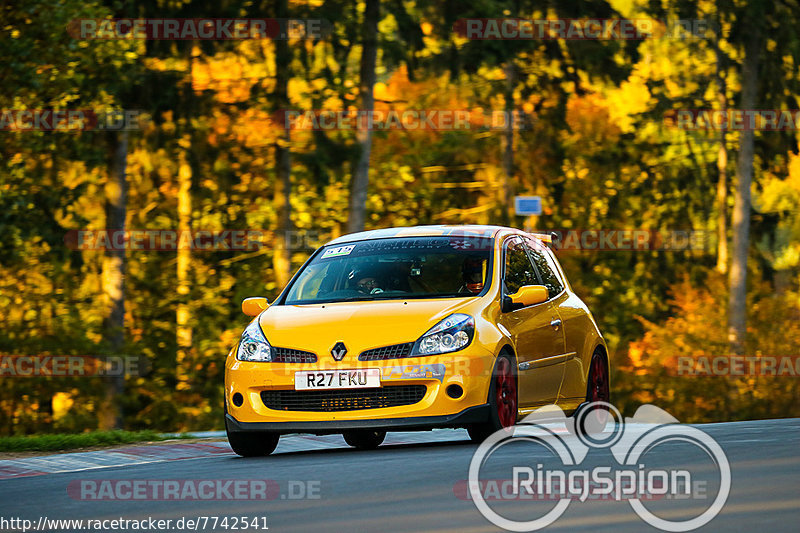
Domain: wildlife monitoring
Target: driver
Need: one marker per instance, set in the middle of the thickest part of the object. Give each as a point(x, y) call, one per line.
point(368, 285)
point(472, 274)
point(365, 282)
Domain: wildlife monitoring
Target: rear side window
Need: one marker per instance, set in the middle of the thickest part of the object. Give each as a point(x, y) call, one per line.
point(518, 268)
point(545, 268)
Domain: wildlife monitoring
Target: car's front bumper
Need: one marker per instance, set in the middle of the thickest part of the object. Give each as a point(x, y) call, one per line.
point(471, 371)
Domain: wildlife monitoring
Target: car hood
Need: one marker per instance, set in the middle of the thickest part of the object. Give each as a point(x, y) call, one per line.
point(360, 325)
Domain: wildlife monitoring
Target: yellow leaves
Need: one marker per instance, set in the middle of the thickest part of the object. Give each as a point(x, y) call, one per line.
point(62, 402)
point(380, 91)
point(492, 73)
point(304, 218)
point(794, 171)
point(589, 119)
point(777, 195)
point(319, 84)
point(631, 98)
point(256, 128)
point(230, 75)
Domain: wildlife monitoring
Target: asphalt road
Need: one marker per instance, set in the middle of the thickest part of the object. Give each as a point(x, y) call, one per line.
point(408, 485)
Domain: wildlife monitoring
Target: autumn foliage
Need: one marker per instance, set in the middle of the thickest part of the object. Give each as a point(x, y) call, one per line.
point(592, 141)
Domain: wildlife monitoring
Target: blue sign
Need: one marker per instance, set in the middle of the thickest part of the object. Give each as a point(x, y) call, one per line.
point(528, 205)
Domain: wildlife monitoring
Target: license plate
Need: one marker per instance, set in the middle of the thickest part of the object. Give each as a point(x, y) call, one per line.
point(337, 379)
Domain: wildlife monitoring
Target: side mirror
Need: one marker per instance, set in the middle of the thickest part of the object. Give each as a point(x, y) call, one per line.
point(530, 295)
point(253, 306)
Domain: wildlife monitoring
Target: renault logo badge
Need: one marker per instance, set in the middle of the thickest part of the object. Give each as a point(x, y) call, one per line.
point(338, 351)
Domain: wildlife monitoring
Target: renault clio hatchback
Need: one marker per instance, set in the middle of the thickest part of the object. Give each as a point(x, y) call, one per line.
point(412, 329)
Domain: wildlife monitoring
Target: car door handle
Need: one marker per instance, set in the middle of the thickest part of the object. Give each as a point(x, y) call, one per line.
point(556, 323)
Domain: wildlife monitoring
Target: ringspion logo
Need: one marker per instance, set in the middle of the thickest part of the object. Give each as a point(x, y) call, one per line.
point(570, 481)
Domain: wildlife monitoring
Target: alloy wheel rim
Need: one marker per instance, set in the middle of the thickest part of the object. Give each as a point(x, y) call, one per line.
point(600, 392)
point(506, 394)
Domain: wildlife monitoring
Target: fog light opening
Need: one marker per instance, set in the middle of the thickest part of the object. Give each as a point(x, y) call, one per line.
point(455, 391)
point(238, 399)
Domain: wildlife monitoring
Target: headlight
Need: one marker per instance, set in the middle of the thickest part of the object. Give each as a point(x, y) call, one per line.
point(450, 335)
point(254, 346)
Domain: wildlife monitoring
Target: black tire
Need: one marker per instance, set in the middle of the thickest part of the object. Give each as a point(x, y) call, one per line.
point(364, 439)
point(254, 444)
point(501, 410)
point(598, 389)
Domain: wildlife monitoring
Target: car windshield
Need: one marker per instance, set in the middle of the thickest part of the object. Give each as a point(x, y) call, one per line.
point(398, 268)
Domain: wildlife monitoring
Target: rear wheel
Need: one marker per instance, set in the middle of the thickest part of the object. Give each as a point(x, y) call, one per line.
point(598, 388)
point(589, 420)
point(502, 400)
point(364, 439)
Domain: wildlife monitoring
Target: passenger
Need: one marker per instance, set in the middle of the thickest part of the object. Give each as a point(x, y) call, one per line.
point(472, 274)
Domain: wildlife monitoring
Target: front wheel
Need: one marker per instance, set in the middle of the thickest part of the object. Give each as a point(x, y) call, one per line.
point(253, 444)
point(250, 444)
point(364, 439)
point(502, 400)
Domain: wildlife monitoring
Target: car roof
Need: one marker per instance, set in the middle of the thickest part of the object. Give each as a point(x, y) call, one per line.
point(472, 230)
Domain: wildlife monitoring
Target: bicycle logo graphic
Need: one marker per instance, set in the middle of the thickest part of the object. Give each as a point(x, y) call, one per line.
point(626, 446)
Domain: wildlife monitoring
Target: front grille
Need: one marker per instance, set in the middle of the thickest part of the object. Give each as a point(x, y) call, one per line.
point(395, 351)
point(342, 399)
point(290, 355)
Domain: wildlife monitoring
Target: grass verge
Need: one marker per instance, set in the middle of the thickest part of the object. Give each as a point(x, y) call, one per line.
point(57, 442)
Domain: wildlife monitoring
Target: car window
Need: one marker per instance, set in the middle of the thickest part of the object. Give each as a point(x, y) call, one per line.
point(545, 268)
point(518, 268)
point(394, 268)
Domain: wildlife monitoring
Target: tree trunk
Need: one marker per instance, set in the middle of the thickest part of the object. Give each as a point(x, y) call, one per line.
point(281, 258)
point(360, 180)
point(737, 305)
point(183, 331)
point(508, 152)
point(116, 192)
point(722, 169)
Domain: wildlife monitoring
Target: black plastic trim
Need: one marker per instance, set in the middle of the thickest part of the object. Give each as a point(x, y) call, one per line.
point(470, 415)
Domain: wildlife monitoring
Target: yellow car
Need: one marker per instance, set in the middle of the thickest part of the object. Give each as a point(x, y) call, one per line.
point(412, 329)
